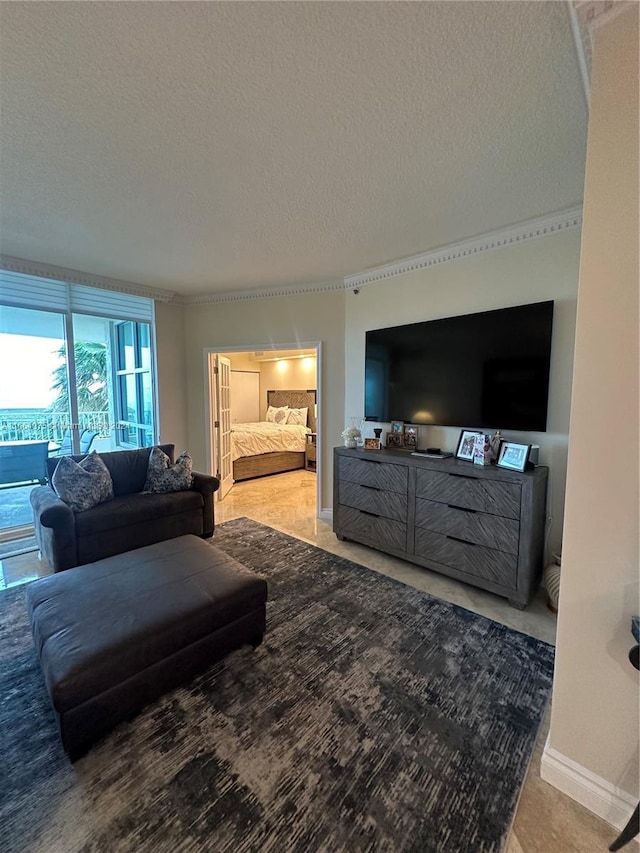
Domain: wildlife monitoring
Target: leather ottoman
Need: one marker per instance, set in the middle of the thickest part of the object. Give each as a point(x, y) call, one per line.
point(116, 634)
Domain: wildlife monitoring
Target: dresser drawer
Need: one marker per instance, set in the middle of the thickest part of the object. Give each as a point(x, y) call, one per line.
point(374, 500)
point(380, 475)
point(467, 491)
point(481, 528)
point(379, 532)
point(475, 560)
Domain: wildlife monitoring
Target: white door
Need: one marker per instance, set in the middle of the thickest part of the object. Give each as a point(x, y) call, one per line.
point(222, 424)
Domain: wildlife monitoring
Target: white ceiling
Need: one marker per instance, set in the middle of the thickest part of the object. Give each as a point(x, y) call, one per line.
point(206, 147)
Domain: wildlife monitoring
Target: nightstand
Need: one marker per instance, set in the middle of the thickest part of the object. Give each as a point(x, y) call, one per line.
point(310, 452)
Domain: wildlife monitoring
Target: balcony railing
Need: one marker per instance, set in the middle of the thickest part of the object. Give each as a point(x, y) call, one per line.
point(16, 425)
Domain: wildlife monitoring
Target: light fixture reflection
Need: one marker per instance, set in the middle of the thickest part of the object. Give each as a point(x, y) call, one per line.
point(422, 417)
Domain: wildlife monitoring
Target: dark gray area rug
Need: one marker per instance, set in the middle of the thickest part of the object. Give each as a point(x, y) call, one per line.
point(373, 718)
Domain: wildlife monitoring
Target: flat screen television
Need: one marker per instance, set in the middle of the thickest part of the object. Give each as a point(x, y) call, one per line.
point(485, 370)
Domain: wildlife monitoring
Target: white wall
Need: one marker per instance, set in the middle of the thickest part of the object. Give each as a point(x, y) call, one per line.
point(242, 361)
point(171, 369)
point(530, 272)
point(287, 374)
point(254, 324)
point(244, 390)
point(594, 719)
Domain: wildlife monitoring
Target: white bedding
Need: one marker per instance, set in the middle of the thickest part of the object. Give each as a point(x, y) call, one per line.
point(264, 437)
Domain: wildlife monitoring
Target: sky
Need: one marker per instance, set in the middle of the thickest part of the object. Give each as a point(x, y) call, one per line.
point(26, 368)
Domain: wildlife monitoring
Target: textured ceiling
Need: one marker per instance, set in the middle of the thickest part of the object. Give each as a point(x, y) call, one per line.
point(206, 147)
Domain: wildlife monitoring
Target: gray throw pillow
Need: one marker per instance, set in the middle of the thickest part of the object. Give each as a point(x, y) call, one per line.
point(164, 477)
point(83, 484)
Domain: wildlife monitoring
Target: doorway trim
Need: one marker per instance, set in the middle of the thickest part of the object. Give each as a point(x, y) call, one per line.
point(209, 354)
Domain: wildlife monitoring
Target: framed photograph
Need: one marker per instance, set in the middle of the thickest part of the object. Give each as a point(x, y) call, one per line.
point(466, 444)
point(372, 444)
point(397, 427)
point(394, 439)
point(482, 450)
point(410, 436)
point(512, 455)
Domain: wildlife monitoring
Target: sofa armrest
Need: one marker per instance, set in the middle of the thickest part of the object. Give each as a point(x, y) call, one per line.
point(50, 510)
point(205, 482)
point(206, 485)
point(55, 528)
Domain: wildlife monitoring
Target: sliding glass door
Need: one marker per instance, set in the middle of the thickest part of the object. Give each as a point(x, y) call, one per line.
point(69, 383)
point(35, 412)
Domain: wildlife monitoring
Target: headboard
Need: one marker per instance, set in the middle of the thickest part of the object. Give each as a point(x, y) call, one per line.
point(296, 400)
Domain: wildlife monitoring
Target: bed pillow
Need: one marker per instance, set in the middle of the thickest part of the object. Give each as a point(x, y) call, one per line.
point(163, 477)
point(82, 485)
point(297, 417)
point(277, 414)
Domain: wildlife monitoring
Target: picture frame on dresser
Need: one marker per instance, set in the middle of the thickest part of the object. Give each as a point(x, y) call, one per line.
point(513, 455)
point(466, 444)
point(410, 436)
point(372, 444)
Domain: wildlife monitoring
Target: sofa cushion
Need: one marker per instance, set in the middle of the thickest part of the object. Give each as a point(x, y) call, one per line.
point(164, 477)
point(128, 468)
point(128, 510)
point(84, 484)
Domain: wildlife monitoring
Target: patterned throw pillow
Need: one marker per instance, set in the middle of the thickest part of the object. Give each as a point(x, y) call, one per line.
point(163, 477)
point(83, 484)
point(277, 414)
point(297, 417)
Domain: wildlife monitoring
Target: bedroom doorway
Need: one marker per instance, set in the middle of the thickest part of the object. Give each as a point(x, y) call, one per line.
point(244, 388)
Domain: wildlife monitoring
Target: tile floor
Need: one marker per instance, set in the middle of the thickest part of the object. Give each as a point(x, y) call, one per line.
point(546, 820)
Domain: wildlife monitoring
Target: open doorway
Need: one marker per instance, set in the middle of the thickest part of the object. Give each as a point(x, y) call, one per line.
point(264, 423)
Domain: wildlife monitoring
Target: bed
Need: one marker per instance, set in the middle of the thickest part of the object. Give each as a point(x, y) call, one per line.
point(262, 448)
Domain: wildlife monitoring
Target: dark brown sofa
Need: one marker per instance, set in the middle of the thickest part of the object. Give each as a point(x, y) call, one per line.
point(131, 520)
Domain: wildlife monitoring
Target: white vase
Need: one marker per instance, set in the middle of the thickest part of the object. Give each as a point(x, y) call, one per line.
point(350, 442)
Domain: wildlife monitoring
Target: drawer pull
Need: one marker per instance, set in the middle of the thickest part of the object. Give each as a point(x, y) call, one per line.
point(372, 514)
point(456, 539)
point(463, 476)
point(461, 508)
point(374, 488)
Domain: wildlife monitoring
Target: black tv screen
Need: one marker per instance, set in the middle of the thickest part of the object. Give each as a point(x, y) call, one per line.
point(485, 370)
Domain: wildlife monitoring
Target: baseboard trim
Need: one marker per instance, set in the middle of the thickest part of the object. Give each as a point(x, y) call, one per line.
point(326, 514)
point(590, 790)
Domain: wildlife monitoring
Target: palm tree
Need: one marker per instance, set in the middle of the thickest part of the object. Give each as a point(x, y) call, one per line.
point(91, 378)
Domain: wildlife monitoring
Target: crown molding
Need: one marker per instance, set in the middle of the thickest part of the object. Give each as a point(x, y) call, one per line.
point(261, 293)
point(76, 277)
point(533, 229)
point(595, 13)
